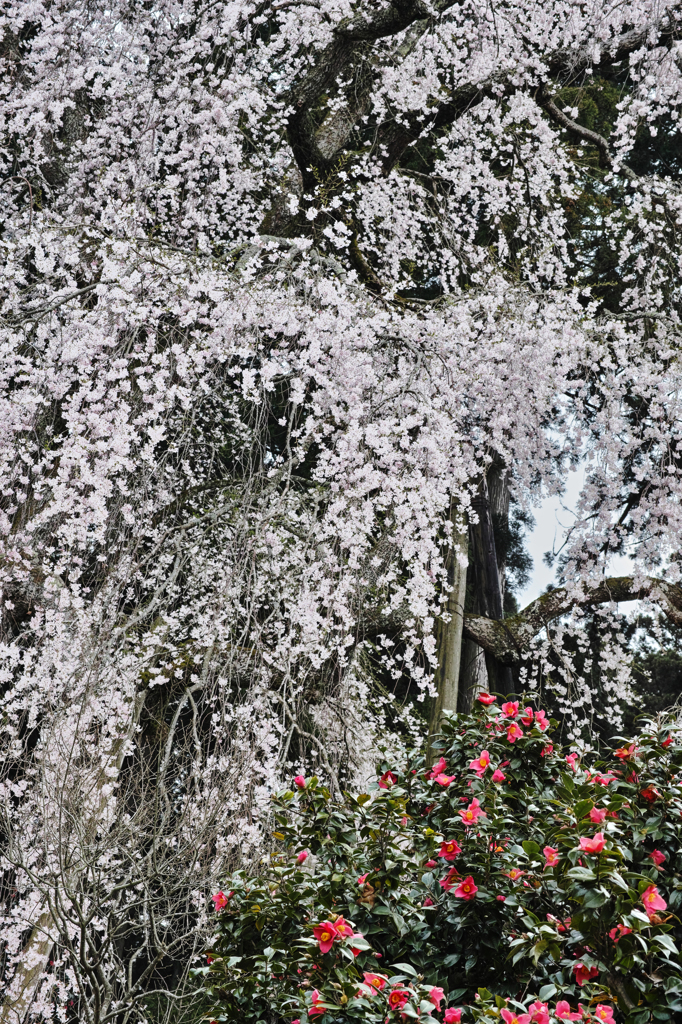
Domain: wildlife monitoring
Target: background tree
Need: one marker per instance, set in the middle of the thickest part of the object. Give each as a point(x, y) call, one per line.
point(284, 287)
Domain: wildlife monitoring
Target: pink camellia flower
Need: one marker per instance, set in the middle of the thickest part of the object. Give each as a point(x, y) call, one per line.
point(220, 900)
point(603, 780)
point(444, 780)
point(355, 950)
point(539, 1012)
point(547, 750)
point(377, 981)
point(514, 732)
point(514, 874)
point(527, 716)
point(448, 882)
point(512, 1017)
point(498, 776)
point(653, 901)
point(510, 709)
point(315, 1010)
point(572, 759)
point(541, 721)
point(297, 1020)
point(583, 974)
point(299, 781)
point(479, 764)
point(657, 857)
point(501, 898)
point(344, 928)
point(387, 780)
point(467, 889)
point(302, 856)
point(594, 845)
point(563, 1011)
point(449, 850)
point(471, 813)
point(363, 878)
point(325, 934)
point(452, 1015)
point(431, 864)
point(428, 902)
point(597, 815)
point(436, 996)
point(603, 1013)
point(438, 769)
point(551, 856)
point(397, 998)
point(485, 698)
point(619, 931)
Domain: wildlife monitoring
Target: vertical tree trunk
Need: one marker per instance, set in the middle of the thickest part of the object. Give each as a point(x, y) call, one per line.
point(449, 633)
point(487, 584)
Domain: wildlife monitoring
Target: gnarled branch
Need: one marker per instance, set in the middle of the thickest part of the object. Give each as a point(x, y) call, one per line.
point(509, 639)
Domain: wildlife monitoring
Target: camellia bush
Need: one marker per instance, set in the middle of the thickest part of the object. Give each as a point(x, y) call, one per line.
point(509, 881)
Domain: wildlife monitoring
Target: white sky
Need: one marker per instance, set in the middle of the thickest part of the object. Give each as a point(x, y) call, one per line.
point(552, 518)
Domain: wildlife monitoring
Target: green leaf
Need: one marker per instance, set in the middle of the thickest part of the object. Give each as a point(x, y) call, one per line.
point(582, 874)
point(531, 848)
point(582, 808)
point(406, 969)
point(666, 942)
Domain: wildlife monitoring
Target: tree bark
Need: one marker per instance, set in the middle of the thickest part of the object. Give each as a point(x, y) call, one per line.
point(509, 640)
point(487, 574)
point(450, 629)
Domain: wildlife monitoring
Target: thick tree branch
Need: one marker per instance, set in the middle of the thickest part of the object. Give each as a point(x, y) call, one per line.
point(509, 639)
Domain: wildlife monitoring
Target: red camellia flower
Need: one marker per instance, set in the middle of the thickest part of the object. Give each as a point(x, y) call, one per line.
point(527, 716)
point(650, 793)
point(363, 878)
point(325, 934)
point(485, 698)
point(551, 856)
point(449, 850)
point(448, 882)
point(479, 764)
point(498, 776)
point(377, 981)
point(572, 759)
point(220, 900)
point(597, 815)
point(657, 857)
point(511, 1017)
point(452, 1015)
point(541, 721)
point(501, 898)
point(619, 931)
point(387, 780)
point(626, 753)
point(302, 856)
point(594, 845)
point(666, 743)
point(444, 780)
point(428, 902)
point(653, 901)
point(431, 864)
point(510, 709)
point(539, 1012)
point(603, 1013)
point(397, 998)
point(563, 1011)
point(514, 732)
point(315, 1010)
point(467, 889)
point(438, 769)
point(470, 814)
point(299, 781)
point(547, 750)
point(583, 974)
point(436, 996)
